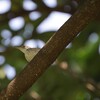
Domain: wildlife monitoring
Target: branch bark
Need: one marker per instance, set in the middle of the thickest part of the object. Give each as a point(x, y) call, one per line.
point(47, 55)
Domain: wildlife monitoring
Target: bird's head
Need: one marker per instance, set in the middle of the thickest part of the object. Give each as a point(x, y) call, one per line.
point(22, 48)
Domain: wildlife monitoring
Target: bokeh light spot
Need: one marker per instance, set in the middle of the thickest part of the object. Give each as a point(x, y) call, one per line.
point(9, 71)
point(5, 6)
point(40, 43)
point(93, 37)
point(2, 59)
point(52, 22)
point(29, 5)
point(50, 3)
point(16, 41)
point(31, 43)
point(16, 23)
point(6, 34)
point(34, 15)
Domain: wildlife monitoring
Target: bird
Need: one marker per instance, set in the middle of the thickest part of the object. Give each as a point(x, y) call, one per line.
point(28, 52)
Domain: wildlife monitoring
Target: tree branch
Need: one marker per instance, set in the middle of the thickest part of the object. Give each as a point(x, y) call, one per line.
point(51, 50)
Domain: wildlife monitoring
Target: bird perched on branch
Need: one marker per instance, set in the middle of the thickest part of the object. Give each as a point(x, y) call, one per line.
point(29, 52)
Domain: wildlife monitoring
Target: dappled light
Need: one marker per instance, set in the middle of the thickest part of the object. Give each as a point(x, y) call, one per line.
point(16, 23)
point(52, 22)
point(50, 3)
point(64, 65)
point(5, 6)
point(9, 71)
point(31, 43)
point(34, 15)
point(93, 37)
point(29, 5)
point(6, 34)
point(16, 41)
point(2, 60)
point(90, 86)
point(35, 95)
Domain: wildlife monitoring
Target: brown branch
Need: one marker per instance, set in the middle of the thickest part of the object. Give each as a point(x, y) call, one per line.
point(46, 56)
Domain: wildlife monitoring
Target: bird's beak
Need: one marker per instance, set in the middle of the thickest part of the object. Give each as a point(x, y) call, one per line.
point(21, 48)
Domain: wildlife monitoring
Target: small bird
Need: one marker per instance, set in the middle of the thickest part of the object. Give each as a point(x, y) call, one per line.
point(28, 52)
